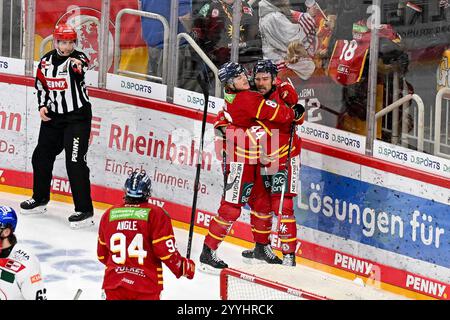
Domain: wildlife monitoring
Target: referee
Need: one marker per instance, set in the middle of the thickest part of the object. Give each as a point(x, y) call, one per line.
point(66, 115)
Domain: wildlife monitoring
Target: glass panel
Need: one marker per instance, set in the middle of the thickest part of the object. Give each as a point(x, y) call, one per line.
point(300, 37)
point(212, 29)
point(11, 28)
point(424, 28)
point(152, 31)
point(84, 16)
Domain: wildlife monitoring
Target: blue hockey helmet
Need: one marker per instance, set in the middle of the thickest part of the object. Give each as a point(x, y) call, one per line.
point(265, 66)
point(8, 218)
point(230, 70)
point(138, 185)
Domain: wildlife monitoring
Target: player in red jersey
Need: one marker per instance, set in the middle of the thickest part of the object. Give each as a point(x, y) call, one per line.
point(248, 114)
point(134, 238)
point(266, 193)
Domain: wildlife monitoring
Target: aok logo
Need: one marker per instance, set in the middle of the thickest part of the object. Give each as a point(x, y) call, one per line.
point(57, 83)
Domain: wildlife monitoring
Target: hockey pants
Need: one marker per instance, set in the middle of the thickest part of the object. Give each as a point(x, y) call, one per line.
point(69, 132)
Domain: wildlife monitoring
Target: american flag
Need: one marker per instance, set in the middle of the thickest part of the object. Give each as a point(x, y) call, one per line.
point(308, 26)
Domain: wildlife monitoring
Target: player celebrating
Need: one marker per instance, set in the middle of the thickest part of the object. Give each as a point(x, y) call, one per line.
point(66, 115)
point(133, 239)
point(20, 272)
point(266, 195)
point(245, 110)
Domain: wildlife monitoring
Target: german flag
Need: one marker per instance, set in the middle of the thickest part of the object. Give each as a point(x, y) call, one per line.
point(83, 14)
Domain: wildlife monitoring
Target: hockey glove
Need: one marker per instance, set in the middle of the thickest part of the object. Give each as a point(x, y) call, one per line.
point(220, 126)
point(288, 93)
point(188, 266)
point(299, 111)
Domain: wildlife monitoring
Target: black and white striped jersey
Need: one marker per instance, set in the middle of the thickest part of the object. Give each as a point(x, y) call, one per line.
point(60, 85)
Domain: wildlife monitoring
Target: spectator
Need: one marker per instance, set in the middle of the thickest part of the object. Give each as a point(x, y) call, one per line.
point(213, 29)
point(278, 29)
point(298, 61)
point(153, 33)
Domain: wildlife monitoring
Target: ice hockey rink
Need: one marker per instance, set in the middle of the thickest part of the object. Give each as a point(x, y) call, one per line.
point(69, 261)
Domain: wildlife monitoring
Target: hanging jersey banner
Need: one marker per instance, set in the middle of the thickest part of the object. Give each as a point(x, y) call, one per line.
point(347, 61)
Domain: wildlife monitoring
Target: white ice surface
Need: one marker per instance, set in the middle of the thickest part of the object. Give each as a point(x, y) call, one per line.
point(69, 259)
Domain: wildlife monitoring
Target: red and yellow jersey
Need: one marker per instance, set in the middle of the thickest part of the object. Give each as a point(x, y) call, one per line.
point(133, 240)
point(347, 61)
point(275, 142)
point(259, 127)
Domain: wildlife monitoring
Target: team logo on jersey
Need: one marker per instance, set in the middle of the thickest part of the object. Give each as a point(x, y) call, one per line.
point(129, 213)
point(45, 64)
point(13, 265)
point(278, 180)
point(35, 278)
point(246, 191)
point(57, 83)
point(343, 69)
point(7, 276)
point(283, 228)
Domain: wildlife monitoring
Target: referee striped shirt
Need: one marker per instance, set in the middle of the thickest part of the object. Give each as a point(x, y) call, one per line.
point(60, 85)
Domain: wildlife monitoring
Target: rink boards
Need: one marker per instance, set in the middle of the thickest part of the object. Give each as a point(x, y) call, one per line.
point(358, 216)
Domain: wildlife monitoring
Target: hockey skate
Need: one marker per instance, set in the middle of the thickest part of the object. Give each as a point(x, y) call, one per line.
point(80, 220)
point(289, 260)
point(31, 206)
point(261, 254)
point(209, 262)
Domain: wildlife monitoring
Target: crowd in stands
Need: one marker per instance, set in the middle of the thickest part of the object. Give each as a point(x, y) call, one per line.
point(322, 47)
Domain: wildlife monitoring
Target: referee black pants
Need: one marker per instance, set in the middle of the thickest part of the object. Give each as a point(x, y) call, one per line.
point(69, 132)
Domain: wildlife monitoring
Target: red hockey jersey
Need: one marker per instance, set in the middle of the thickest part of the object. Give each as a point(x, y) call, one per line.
point(133, 240)
point(258, 127)
point(347, 61)
point(276, 140)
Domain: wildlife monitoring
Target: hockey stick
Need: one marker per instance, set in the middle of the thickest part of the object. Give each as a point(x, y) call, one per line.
point(77, 294)
point(225, 177)
point(288, 160)
point(202, 79)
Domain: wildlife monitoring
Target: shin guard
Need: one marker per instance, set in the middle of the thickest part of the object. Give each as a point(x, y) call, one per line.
point(221, 224)
point(287, 231)
point(261, 226)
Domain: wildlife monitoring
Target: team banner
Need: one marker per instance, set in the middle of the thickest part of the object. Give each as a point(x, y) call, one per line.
point(383, 217)
point(85, 16)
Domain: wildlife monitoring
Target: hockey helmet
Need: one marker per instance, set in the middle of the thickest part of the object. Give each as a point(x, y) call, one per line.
point(8, 218)
point(265, 66)
point(65, 32)
point(138, 185)
point(229, 71)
